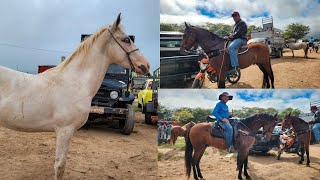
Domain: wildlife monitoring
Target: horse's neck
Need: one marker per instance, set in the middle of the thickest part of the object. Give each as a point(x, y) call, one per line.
point(253, 125)
point(209, 44)
point(297, 125)
point(88, 71)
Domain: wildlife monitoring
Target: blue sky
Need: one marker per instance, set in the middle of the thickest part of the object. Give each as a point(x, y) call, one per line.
point(207, 98)
point(57, 25)
point(283, 12)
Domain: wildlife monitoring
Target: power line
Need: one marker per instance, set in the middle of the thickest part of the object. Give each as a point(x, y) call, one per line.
point(31, 48)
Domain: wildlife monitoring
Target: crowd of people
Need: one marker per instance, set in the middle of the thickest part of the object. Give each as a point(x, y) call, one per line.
point(164, 131)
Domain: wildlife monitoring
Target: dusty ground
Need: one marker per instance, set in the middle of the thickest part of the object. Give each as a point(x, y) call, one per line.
point(289, 72)
point(216, 166)
point(96, 153)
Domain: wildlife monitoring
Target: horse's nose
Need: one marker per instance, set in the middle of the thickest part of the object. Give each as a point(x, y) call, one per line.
point(144, 69)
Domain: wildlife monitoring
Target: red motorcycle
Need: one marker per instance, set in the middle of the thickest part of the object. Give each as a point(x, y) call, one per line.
point(205, 67)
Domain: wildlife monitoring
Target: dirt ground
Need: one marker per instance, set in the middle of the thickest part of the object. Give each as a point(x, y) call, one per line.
point(289, 72)
point(214, 165)
point(95, 153)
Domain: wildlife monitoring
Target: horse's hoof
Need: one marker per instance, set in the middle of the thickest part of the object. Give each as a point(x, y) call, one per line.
point(240, 178)
point(308, 165)
point(300, 162)
point(248, 177)
point(202, 179)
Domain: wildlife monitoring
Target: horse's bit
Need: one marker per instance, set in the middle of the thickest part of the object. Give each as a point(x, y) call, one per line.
point(128, 53)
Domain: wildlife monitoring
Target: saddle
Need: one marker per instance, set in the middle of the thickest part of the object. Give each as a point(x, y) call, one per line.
point(241, 50)
point(218, 131)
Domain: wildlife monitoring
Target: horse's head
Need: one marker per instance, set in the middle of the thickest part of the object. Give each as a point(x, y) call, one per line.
point(287, 121)
point(268, 126)
point(122, 50)
point(189, 39)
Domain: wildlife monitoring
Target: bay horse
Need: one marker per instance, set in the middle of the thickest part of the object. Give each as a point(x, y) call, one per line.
point(303, 133)
point(59, 100)
point(181, 131)
point(214, 47)
point(199, 138)
point(296, 46)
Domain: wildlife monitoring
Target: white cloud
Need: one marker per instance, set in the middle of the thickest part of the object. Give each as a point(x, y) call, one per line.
point(284, 12)
point(205, 98)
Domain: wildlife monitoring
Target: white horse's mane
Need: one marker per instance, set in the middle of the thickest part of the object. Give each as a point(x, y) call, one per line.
point(84, 46)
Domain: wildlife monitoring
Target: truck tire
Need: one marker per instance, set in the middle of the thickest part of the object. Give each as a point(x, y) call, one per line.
point(147, 118)
point(129, 122)
point(197, 83)
point(278, 53)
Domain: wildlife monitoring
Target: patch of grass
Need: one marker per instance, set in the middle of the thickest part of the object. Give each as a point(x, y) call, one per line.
point(135, 106)
point(180, 144)
point(160, 155)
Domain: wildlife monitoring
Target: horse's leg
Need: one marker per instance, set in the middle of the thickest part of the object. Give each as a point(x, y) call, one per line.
point(269, 71)
point(63, 137)
point(292, 53)
point(265, 76)
point(246, 168)
point(198, 162)
point(302, 153)
point(307, 152)
point(240, 163)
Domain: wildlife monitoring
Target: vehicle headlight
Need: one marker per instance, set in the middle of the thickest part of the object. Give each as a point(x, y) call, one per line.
point(203, 66)
point(114, 94)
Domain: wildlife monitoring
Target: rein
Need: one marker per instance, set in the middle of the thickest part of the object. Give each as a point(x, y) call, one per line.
point(128, 53)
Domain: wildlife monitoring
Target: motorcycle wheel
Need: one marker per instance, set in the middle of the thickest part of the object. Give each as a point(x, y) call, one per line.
point(197, 83)
point(235, 77)
point(279, 154)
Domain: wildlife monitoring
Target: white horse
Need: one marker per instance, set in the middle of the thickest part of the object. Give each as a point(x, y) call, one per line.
point(297, 46)
point(59, 99)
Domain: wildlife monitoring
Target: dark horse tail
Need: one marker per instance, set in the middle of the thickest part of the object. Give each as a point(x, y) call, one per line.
point(188, 154)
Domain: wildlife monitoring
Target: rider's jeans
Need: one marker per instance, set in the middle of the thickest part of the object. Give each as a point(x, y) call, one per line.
point(233, 50)
point(315, 130)
point(228, 132)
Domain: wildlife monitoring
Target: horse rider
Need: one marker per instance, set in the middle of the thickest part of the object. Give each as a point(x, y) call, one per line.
point(221, 112)
point(238, 38)
point(316, 122)
point(311, 41)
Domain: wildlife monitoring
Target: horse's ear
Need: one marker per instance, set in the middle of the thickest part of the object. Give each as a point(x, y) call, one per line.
point(116, 23)
point(187, 26)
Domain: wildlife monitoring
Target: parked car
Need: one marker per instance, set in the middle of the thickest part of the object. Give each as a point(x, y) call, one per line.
point(148, 99)
point(177, 70)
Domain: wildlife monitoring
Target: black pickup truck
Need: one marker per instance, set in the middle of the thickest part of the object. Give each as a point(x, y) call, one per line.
point(177, 70)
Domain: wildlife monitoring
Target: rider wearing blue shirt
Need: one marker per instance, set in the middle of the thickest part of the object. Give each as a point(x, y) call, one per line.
point(221, 112)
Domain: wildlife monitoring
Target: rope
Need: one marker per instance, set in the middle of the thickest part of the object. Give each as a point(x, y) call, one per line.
point(224, 52)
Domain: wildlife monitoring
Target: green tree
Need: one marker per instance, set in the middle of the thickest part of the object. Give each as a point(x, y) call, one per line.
point(294, 112)
point(253, 27)
point(296, 31)
point(183, 116)
point(171, 27)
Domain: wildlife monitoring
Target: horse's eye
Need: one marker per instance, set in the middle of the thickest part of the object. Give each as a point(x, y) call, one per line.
point(127, 40)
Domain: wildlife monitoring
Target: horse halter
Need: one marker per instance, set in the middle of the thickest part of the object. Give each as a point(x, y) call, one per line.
point(128, 53)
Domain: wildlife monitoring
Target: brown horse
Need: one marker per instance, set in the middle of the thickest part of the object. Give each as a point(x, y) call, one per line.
point(303, 132)
point(177, 131)
point(214, 47)
point(199, 138)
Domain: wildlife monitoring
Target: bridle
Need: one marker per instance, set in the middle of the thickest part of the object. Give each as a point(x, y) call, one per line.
point(210, 53)
point(128, 53)
point(270, 130)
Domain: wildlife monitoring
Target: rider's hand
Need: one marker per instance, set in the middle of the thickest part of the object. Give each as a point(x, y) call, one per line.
point(226, 37)
point(225, 120)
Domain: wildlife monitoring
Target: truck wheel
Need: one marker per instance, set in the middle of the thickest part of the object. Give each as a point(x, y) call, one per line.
point(279, 154)
point(197, 83)
point(147, 118)
point(234, 78)
point(278, 53)
point(129, 122)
